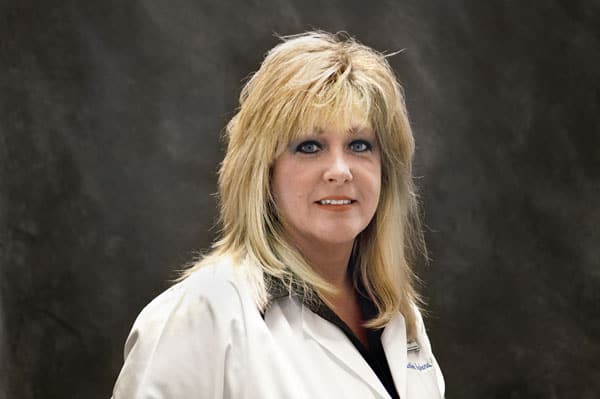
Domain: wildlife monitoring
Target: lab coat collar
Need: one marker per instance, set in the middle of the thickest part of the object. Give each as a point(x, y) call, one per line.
point(394, 345)
point(332, 339)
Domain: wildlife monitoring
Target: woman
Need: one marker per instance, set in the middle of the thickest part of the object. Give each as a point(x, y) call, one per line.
point(309, 292)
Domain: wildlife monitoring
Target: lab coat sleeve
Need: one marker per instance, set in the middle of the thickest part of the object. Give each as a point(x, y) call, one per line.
point(183, 345)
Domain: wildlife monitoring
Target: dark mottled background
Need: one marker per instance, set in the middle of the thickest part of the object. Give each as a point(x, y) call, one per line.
point(110, 118)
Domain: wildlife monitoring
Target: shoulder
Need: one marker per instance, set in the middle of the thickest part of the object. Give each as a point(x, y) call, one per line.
point(213, 290)
point(198, 325)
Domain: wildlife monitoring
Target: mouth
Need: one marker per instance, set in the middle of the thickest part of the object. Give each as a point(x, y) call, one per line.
point(335, 202)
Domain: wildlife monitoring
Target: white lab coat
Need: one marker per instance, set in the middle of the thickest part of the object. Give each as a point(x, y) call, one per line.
point(205, 338)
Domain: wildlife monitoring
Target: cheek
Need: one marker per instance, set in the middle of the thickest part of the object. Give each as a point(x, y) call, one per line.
point(375, 190)
point(289, 195)
point(375, 181)
point(277, 192)
point(285, 185)
point(278, 172)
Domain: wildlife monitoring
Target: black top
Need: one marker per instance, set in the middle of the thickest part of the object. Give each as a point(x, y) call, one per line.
point(374, 355)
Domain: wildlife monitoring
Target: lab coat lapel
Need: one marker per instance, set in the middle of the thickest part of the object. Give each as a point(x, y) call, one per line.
point(393, 341)
point(335, 342)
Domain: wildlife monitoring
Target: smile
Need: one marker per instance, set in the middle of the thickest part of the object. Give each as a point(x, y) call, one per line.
point(335, 202)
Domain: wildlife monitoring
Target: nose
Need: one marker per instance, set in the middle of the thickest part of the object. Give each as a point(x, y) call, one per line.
point(337, 170)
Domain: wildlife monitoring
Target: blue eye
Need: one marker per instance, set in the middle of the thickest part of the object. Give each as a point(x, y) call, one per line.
point(308, 147)
point(360, 146)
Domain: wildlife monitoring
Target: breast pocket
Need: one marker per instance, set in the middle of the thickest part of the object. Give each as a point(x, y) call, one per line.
point(421, 381)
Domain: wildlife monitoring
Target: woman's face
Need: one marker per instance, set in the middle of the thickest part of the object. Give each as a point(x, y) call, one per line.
point(326, 186)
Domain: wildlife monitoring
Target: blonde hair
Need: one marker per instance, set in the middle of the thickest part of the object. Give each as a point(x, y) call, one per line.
point(309, 80)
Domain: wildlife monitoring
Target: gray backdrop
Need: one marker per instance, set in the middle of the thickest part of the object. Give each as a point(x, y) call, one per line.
point(110, 121)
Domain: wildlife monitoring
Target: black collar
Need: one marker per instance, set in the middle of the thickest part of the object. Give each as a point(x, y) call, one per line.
point(278, 288)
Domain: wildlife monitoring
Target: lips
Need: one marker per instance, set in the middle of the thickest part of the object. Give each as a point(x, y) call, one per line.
point(335, 203)
point(336, 199)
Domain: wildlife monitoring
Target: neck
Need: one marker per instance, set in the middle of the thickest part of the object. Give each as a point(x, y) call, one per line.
point(329, 260)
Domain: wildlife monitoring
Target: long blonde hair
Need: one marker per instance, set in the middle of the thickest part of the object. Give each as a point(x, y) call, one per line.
point(308, 80)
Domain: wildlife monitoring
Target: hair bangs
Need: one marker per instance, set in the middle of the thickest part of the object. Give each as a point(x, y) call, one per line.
point(339, 106)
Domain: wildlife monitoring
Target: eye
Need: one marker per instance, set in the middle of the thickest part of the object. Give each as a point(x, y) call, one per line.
point(360, 146)
point(308, 147)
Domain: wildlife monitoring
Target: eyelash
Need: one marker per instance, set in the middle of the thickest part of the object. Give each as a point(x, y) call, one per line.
point(367, 146)
point(302, 146)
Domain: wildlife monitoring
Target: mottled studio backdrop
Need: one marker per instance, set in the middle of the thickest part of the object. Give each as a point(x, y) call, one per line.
point(110, 122)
